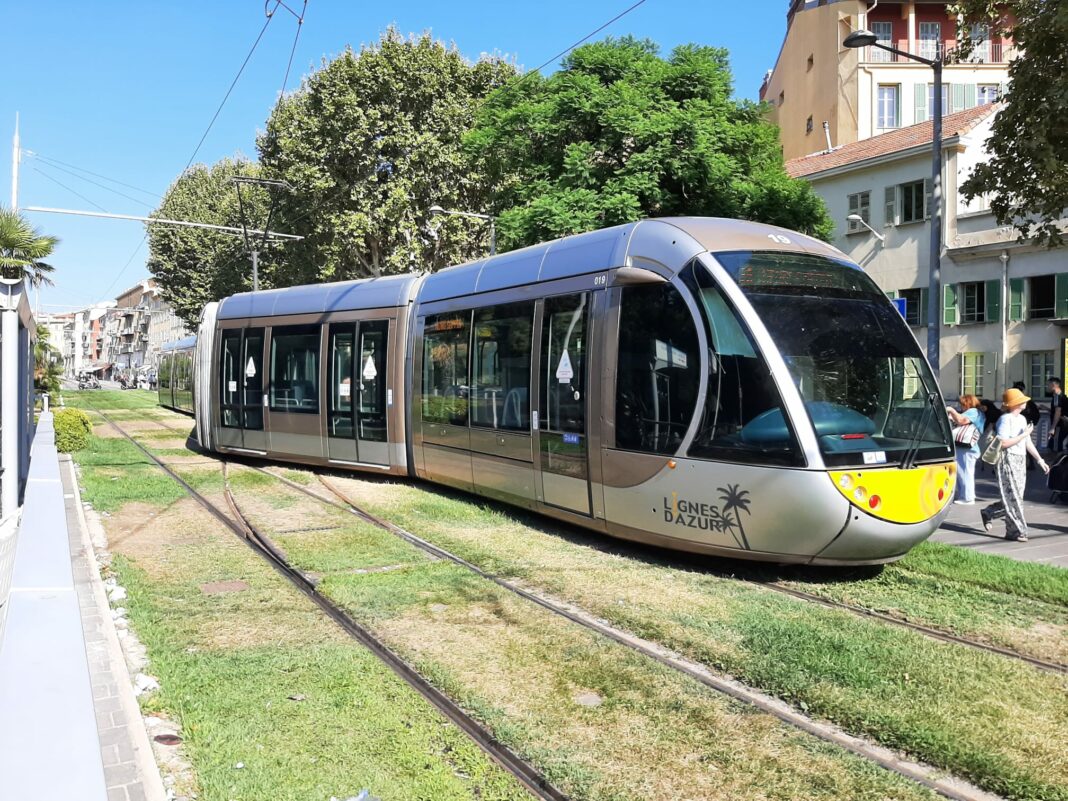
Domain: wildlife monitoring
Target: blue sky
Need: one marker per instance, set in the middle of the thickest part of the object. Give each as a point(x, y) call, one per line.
point(126, 89)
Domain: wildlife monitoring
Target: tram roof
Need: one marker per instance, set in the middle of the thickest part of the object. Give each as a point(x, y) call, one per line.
point(179, 344)
point(366, 293)
point(669, 241)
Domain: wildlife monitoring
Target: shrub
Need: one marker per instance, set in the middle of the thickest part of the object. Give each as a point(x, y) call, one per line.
point(73, 428)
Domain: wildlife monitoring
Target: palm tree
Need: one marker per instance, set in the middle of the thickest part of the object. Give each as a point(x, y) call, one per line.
point(23, 249)
point(735, 500)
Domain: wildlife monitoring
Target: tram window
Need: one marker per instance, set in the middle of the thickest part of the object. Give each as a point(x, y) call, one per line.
point(164, 375)
point(371, 380)
point(295, 369)
point(340, 422)
point(658, 373)
point(445, 389)
point(500, 389)
point(743, 417)
point(229, 361)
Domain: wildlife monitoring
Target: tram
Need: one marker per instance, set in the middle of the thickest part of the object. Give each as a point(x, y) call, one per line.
point(174, 379)
point(708, 385)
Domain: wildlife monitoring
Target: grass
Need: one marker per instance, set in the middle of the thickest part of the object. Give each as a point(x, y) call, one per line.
point(988, 718)
point(115, 473)
point(229, 665)
point(111, 399)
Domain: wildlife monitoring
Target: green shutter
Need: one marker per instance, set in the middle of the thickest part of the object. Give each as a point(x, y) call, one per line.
point(1016, 299)
point(957, 97)
point(969, 95)
point(949, 304)
point(993, 301)
point(928, 198)
point(1061, 294)
point(923, 306)
point(892, 294)
point(890, 206)
point(920, 95)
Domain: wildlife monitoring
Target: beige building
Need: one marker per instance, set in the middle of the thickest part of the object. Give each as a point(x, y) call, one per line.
point(1004, 304)
point(860, 93)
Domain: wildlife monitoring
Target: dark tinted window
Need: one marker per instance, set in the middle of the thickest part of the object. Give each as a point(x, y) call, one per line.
point(295, 369)
point(658, 372)
point(445, 388)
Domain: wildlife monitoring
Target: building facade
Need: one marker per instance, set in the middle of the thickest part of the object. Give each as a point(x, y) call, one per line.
point(860, 93)
point(1003, 303)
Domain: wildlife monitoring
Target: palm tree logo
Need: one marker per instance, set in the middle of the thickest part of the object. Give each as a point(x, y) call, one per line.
point(735, 500)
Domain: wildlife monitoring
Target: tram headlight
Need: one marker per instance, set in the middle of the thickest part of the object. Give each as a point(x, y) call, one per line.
point(845, 481)
point(860, 494)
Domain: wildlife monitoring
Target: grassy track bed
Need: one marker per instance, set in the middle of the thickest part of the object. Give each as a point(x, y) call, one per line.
point(258, 677)
point(989, 718)
point(600, 721)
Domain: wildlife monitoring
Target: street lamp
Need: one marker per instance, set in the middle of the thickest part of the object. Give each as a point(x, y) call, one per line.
point(436, 209)
point(858, 219)
point(864, 38)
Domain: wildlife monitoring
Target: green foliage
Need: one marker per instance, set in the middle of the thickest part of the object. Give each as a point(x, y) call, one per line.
point(370, 142)
point(195, 266)
point(48, 364)
point(1026, 176)
point(619, 134)
point(23, 249)
point(73, 429)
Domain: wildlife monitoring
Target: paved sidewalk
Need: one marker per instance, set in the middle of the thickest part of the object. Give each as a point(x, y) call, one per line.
point(1047, 523)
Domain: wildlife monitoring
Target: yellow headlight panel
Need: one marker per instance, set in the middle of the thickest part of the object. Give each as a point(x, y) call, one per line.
point(896, 495)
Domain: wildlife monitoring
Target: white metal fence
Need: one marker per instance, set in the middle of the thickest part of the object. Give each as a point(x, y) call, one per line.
point(9, 530)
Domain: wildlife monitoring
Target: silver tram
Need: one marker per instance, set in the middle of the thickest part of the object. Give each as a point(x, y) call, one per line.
point(702, 384)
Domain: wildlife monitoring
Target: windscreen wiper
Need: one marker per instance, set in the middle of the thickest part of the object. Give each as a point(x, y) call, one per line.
point(913, 449)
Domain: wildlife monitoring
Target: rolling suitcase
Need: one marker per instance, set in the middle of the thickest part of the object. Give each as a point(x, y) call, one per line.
point(1057, 480)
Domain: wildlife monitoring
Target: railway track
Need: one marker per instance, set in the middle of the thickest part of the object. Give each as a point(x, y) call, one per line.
point(511, 762)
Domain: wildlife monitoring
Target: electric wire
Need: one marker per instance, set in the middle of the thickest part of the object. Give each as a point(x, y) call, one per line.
point(293, 50)
point(54, 161)
point(72, 191)
point(138, 201)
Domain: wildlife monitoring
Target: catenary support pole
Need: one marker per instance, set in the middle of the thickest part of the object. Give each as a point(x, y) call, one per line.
point(9, 401)
point(16, 157)
point(934, 291)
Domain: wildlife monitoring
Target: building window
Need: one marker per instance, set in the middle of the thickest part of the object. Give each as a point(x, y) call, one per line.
point(974, 298)
point(930, 39)
point(295, 369)
point(883, 32)
point(860, 203)
point(888, 104)
point(1039, 370)
point(914, 306)
point(1041, 297)
point(987, 93)
point(971, 374)
point(930, 100)
point(913, 201)
point(980, 36)
point(808, 125)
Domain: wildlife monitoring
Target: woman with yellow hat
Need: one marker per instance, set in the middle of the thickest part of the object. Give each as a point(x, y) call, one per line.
point(1015, 435)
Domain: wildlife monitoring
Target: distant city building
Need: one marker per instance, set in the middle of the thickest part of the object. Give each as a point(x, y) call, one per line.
point(1003, 305)
point(865, 92)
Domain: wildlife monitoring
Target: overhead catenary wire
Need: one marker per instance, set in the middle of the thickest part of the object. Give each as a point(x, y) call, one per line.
point(54, 161)
point(72, 191)
point(97, 183)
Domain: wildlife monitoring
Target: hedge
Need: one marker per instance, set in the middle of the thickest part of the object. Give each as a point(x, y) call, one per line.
point(73, 428)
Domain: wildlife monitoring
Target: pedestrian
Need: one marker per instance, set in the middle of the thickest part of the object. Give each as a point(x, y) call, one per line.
point(991, 413)
point(1015, 436)
point(1032, 415)
point(967, 455)
point(1058, 416)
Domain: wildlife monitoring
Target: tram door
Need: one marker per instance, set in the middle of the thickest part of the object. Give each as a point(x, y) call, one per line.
point(356, 425)
point(562, 398)
point(241, 381)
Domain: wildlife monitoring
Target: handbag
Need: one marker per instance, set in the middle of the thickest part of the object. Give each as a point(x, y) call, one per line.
point(966, 435)
point(991, 450)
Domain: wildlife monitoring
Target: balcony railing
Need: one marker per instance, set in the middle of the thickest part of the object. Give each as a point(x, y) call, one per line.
point(984, 53)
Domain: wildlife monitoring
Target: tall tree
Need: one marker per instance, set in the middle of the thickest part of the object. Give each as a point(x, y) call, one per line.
point(1026, 176)
point(370, 142)
point(23, 249)
point(620, 133)
point(195, 266)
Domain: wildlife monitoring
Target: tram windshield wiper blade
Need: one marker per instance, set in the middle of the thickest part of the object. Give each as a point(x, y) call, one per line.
point(913, 449)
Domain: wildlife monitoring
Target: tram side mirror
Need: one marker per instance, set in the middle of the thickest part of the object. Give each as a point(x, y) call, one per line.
point(633, 276)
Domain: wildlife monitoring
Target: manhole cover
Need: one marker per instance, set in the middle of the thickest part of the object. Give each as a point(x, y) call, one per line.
point(588, 699)
point(167, 739)
point(219, 587)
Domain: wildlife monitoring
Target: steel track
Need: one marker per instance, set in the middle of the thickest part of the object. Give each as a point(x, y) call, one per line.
point(927, 776)
point(239, 525)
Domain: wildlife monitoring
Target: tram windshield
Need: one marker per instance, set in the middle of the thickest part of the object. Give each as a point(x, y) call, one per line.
point(867, 389)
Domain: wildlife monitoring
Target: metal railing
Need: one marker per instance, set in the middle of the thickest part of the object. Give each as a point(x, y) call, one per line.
point(9, 530)
point(983, 53)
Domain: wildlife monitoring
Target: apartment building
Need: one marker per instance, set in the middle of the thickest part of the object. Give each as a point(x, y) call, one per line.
point(1003, 303)
point(860, 93)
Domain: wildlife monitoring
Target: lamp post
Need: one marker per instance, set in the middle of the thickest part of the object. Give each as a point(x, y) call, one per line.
point(858, 219)
point(865, 38)
point(436, 209)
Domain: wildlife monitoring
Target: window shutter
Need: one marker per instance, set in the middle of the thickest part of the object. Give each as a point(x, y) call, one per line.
point(1060, 291)
point(892, 294)
point(920, 94)
point(957, 100)
point(928, 200)
point(1016, 299)
point(960, 372)
point(949, 304)
point(890, 206)
point(993, 301)
point(923, 306)
point(969, 95)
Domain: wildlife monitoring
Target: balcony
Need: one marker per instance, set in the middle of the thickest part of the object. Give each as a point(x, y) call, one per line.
point(984, 53)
